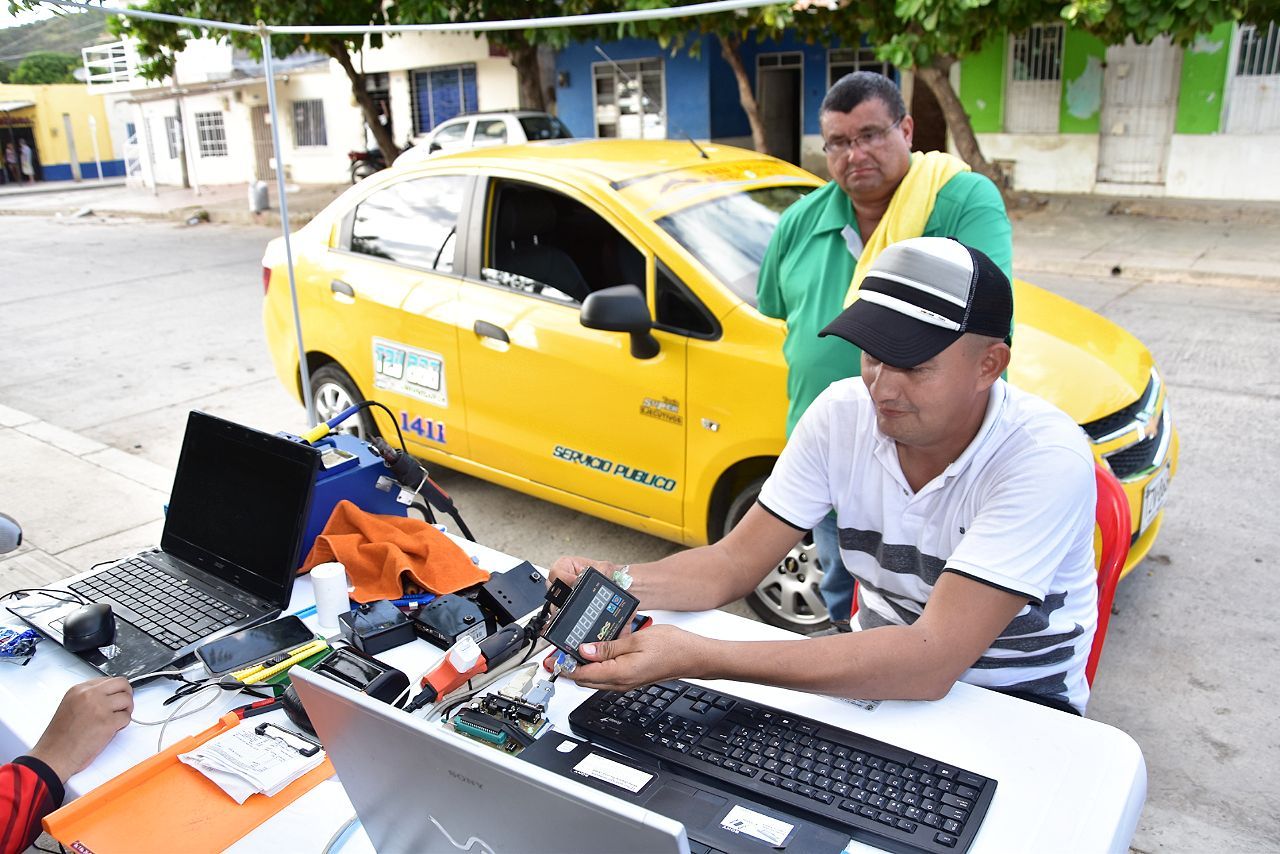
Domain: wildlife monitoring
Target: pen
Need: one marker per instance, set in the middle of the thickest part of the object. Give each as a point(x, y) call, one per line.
point(414, 599)
point(259, 672)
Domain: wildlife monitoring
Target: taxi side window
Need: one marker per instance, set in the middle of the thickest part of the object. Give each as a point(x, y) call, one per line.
point(546, 244)
point(678, 309)
point(413, 222)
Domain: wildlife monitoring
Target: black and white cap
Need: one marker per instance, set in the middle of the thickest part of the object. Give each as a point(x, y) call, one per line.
point(920, 296)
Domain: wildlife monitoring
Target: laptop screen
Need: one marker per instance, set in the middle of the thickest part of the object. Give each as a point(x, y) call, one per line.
point(239, 505)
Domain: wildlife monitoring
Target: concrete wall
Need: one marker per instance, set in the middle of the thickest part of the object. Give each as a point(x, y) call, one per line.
point(1047, 163)
point(344, 127)
point(497, 87)
point(326, 164)
point(1224, 166)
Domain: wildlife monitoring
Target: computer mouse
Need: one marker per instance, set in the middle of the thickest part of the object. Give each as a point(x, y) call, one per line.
point(89, 627)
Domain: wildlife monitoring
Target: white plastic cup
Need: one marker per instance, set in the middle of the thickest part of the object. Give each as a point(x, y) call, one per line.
point(330, 583)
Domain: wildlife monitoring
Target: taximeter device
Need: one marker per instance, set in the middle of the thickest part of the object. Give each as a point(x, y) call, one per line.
point(594, 609)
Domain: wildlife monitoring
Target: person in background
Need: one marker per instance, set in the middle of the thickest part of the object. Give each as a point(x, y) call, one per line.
point(31, 786)
point(10, 163)
point(24, 159)
point(879, 193)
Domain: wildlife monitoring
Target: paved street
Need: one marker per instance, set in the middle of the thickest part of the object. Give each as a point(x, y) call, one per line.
point(113, 331)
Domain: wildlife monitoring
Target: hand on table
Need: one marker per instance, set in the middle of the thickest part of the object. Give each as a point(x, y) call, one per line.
point(89, 715)
point(655, 654)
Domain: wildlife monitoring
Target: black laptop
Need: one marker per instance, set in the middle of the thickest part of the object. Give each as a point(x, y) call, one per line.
point(227, 558)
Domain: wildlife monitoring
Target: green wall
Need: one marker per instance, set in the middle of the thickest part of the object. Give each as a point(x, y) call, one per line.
point(1083, 56)
point(982, 86)
point(1204, 80)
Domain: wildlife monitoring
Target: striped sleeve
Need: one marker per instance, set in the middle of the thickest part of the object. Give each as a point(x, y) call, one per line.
point(29, 790)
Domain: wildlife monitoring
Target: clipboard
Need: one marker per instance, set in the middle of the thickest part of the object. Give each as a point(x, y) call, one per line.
point(160, 800)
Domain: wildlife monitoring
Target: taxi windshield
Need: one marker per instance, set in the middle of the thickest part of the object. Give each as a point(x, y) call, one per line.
point(728, 235)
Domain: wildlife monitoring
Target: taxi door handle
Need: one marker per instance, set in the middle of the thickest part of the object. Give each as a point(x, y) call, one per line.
point(485, 329)
point(340, 287)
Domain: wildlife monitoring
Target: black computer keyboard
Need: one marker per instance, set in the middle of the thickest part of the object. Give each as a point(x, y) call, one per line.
point(174, 614)
point(880, 794)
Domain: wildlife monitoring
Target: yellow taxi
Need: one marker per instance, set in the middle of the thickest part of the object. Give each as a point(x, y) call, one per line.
point(575, 320)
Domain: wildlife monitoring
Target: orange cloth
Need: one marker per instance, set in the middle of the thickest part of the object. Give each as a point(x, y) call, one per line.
point(379, 551)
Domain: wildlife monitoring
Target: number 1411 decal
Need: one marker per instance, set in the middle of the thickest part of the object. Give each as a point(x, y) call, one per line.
point(427, 428)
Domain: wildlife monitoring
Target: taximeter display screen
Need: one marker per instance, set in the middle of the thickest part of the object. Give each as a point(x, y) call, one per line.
point(596, 610)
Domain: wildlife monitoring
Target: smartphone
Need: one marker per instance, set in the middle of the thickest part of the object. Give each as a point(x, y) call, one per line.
point(251, 645)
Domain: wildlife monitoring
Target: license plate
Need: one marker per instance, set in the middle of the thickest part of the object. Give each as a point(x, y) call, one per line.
point(1153, 496)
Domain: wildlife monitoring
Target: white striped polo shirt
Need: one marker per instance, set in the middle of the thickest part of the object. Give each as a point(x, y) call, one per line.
point(1015, 511)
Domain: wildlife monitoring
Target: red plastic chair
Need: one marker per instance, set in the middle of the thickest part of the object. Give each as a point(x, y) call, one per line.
point(1115, 528)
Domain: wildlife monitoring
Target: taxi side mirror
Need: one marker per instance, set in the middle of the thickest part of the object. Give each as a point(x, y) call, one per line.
point(622, 309)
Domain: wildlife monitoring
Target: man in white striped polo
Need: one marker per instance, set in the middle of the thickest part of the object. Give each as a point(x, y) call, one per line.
point(965, 511)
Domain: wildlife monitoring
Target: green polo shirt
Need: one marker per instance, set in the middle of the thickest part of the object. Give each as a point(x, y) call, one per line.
point(808, 266)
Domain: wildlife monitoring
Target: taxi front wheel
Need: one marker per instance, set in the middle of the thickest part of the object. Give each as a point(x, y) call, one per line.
point(333, 390)
point(790, 596)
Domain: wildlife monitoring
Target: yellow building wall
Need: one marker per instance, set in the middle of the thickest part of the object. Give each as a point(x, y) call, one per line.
point(51, 103)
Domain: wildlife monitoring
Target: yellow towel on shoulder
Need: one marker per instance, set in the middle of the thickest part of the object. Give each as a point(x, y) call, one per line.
point(909, 209)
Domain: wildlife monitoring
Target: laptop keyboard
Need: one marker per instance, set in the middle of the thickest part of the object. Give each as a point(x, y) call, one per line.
point(883, 795)
point(174, 614)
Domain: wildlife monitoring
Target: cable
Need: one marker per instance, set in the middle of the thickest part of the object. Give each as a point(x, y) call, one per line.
point(67, 595)
point(181, 672)
point(178, 714)
point(365, 404)
point(339, 833)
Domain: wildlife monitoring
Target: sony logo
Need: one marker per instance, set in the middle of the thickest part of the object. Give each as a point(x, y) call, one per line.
point(465, 779)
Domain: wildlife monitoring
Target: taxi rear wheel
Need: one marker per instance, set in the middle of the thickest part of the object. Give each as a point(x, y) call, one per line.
point(790, 596)
point(333, 390)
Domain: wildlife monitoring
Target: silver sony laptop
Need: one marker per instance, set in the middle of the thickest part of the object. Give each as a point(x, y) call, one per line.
point(417, 786)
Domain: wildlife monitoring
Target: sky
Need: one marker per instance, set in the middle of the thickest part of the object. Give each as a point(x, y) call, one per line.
point(7, 19)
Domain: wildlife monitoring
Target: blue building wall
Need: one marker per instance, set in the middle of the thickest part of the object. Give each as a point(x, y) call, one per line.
point(687, 84)
point(62, 171)
point(702, 93)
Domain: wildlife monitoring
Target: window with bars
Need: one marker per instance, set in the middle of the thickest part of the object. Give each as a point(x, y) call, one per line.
point(1259, 52)
point(439, 94)
point(211, 135)
point(1253, 92)
point(308, 124)
point(844, 61)
point(173, 134)
point(629, 100)
point(1034, 87)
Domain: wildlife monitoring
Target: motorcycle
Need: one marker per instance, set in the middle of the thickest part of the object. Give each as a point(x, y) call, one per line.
point(365, 163)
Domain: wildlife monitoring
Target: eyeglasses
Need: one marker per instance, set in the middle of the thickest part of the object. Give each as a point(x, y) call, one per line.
point(864, 141)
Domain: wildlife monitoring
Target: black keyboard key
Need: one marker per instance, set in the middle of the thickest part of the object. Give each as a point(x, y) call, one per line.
point(945, 839)
point(957, 802)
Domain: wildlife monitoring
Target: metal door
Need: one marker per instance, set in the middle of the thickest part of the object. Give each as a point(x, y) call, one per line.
point(260, 118)
point(780, 92)
point(1139, 102)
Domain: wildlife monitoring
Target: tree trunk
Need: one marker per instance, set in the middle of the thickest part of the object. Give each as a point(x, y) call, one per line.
point(729, 46)
point(524, 59)
point(935, 76)
point(381, 133)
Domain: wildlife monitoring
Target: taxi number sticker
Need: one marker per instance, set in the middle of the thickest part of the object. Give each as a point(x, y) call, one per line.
point(405, 370)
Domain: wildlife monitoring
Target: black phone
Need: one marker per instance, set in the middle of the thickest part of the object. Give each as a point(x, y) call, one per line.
point(251, 645)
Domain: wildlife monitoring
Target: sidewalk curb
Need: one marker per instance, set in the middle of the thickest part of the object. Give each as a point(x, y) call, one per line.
point(1027, 270)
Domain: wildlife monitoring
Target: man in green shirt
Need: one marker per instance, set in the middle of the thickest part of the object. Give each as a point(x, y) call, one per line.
point(879, 193)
